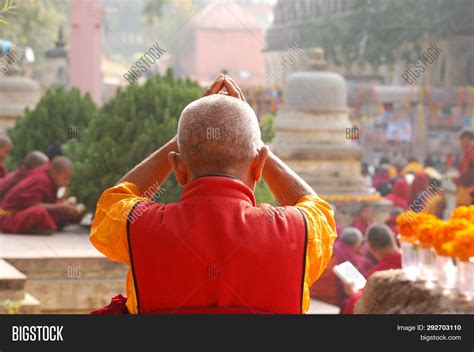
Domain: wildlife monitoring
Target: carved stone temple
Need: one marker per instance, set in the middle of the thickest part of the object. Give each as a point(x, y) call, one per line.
point(311, 138)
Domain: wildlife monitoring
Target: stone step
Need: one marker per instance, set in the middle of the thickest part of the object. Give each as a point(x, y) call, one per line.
point(63, 268)
point(70, 285)
point(12, 282)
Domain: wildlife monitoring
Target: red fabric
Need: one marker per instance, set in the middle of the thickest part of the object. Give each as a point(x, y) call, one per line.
point(326, 288)
point(360, 223)
point(25, 199)
point(216, 248)
point(12, 179)
point(3, 171)
point(329, 288)
point(466, 168)
point(381, 178)
point(420, 184)
point(400, 195)
point(392, 261)
point(116, 306)
point(345, 253)
point(365, 251)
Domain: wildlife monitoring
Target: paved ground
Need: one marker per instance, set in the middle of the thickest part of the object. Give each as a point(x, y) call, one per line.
point(73, 241)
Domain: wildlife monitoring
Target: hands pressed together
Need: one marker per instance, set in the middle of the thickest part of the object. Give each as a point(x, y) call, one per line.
point(232, 89)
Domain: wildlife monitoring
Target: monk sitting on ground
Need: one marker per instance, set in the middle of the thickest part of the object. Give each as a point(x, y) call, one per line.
point(31, 206)
point(382, 245)
point(32, 161)
point(329, 288)
point(6, 147)
point(215, 251)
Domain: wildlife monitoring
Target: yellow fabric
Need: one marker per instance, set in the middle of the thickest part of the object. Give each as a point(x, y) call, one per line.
point(392, 171)
point(109, 234)
point(321, 235)
point(412, 167)
point(109, 230)
point(463, 196)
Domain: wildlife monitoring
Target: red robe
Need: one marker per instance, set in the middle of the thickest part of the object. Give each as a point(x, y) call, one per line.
point(3, 171)
point(466, 168)
point(400, 196)
point(22, 211)
point(12, 179)
point(360, 224)
point(392, 261)
point(328, 288)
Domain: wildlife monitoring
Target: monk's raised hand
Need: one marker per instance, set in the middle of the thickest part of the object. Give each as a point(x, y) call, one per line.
point(216, 87)
point(233, 89)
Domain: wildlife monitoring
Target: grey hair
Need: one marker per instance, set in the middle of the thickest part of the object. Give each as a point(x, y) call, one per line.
point(218, 132)
point(351, 236)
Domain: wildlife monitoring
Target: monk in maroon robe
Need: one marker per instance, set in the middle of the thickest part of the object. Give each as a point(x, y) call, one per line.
point(6, 147)
point(465, 181)
point(32, 161)
point(31, 206)
point(328, 288)
point(382, 245)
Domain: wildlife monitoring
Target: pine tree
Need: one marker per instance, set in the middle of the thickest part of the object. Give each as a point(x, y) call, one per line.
point(139, 120)
point(59, 116)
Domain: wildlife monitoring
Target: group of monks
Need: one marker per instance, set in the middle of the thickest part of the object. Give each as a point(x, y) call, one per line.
point(374, 250)
point(29, 202)
point(372, 247)
point(403, 184)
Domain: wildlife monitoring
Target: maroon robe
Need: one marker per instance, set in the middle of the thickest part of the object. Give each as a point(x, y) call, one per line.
point(22, 211)
point(12, 179)
point(3, 171)
point(400, 196)
point(343, 252)
point(392, 261)
point(360, 223)
point(466, 168)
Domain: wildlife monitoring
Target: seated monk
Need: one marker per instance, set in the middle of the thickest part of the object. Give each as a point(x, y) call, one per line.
point(32, 161)
point(6, 146)
point(31, 207)
point(382, 245)
point(215, 251)
point(329, 288)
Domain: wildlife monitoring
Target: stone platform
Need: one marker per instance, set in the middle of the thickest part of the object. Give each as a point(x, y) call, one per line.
point(391, 292)
point(64, 273)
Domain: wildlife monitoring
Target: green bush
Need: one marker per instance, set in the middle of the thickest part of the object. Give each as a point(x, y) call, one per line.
point(139, 120)
point(59, 115)
point(267, 128)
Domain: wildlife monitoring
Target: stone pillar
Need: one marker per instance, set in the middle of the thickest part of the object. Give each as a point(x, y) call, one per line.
point(85, 52)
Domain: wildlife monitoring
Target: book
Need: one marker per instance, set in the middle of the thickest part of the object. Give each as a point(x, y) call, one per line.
point(349, 274)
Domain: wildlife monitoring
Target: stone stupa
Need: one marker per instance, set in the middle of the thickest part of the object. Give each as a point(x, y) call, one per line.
point(311, 133)
point(17, 91)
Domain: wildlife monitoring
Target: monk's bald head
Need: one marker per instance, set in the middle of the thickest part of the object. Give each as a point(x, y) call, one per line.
point(61, 171)
point(6, 146)
point(34, 159)
point(61, 164)
point(218, 133)
point(5, 142)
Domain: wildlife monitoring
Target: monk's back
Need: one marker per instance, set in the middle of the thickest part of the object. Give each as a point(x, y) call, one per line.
point(217, 242)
